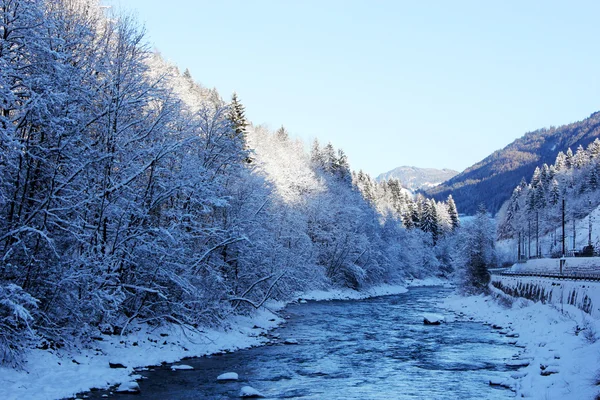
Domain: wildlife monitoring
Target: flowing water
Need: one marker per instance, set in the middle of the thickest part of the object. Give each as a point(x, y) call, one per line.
point(366, 349)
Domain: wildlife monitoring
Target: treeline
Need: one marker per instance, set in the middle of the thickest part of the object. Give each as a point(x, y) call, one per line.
point(390, 199)
point(130, 194)
point(537, 205)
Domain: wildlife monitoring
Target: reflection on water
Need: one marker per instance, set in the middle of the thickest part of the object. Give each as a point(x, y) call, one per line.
point(368, 349)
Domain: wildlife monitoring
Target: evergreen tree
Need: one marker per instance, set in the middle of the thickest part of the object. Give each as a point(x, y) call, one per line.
point(282, 134)
point(561, 162)
point(554, 193)
point(237, 116)
point(429, 221)
point(581, 158)
point(569, 159)
point(453, 212)
point(594, 149)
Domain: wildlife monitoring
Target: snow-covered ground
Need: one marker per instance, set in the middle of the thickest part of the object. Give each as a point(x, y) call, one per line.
point(560, 345)
point(52, 374)
point(579, 265)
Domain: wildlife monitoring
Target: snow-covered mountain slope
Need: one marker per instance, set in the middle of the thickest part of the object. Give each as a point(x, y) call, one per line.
point(415, 178)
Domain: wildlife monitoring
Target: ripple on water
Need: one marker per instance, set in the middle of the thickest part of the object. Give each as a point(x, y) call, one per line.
point(374, 349)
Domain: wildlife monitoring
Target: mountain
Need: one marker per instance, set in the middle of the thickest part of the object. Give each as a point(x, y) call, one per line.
point(414, 178)
point(492, 180)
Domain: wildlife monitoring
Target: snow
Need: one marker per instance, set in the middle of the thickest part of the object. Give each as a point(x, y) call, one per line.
point(433, 319)
point(181, 367)
point(249, 391)
point(52, 374)
point(557, 349)
point(580, 265)
point(547, 241)
point(228, 376)
point(128, 387)
point(429, 282)
point(349, 294)
point(582, 294)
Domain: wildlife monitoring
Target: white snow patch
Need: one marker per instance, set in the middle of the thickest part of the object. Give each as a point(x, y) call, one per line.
point(181, 367)
point(128, 387)
point(249, 391)
point(426, 282)
point(349, 294)
point(433, 319)
point(228, 376)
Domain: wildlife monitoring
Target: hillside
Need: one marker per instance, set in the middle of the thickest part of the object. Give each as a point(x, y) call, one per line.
point(492, 180)
point(414, 178)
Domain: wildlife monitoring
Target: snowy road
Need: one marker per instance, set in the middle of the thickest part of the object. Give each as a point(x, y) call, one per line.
point(367, 349)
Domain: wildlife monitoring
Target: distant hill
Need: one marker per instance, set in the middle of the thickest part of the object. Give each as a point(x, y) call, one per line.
point(492, 180)
point(414, 178)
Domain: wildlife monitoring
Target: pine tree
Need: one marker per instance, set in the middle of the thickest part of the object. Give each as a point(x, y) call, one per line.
point(569, 159)
point(282, 134)
point(554, 193)
point(453, 212)
point(593, 178)
point(237, 116)
point(561, 162)
point(594, 149)
point(581, 158)
point(317, 157)
point(429, 221)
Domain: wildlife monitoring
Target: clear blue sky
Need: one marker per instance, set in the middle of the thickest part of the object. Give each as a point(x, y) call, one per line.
point(424, 83)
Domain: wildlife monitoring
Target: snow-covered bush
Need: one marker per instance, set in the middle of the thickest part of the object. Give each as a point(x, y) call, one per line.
point(16, 307)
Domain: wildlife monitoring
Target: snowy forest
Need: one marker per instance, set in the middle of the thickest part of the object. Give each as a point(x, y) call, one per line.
point(131, 194)
point(537, 206)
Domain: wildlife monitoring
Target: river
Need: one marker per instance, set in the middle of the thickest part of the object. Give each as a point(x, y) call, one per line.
point(365, 349)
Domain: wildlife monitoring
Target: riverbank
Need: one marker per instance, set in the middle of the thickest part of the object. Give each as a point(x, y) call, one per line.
point(559, 347)
point(53, 374)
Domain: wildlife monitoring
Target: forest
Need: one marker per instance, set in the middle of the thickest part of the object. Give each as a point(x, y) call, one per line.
point(537, 206)
point(131, 194)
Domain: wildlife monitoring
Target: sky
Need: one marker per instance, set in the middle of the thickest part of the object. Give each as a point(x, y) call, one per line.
point(439, 84)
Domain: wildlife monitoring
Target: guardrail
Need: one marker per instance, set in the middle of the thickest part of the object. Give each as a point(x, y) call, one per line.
point(566, 276)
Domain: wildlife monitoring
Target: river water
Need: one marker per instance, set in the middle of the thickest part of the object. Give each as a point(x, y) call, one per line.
point(366, 349)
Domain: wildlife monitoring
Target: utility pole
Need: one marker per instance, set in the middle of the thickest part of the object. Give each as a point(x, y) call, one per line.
point(537, 234)
point(519, 247)
point(562, 259)
point(590, 226)
point(529, 237)
point(574, 233)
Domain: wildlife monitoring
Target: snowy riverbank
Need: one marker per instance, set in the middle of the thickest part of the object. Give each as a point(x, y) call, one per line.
point(559, 346)
point(52, 374)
